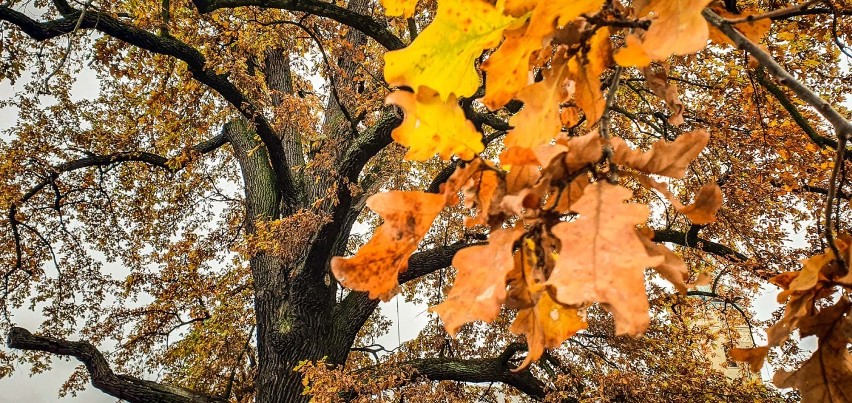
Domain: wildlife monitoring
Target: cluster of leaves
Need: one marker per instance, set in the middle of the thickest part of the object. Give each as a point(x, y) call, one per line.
point(561, 235)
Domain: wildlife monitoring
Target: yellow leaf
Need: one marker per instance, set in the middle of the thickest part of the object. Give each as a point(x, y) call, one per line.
point(443, 55)
point(602, 258)
point(434, 126)
point(546, 325)
point(399, 8)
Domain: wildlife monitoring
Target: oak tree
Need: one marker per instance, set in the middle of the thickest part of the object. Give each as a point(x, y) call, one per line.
point(564, 175)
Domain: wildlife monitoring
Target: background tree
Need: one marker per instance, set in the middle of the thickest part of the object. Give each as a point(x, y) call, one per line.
point(235, 143)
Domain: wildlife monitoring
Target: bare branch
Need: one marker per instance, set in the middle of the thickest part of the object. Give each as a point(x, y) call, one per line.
point(124, 387)
point(363, 23)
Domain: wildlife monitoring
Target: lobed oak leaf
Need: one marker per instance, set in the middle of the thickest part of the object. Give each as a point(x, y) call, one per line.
point(399, 8)
point(480, 286)
point(701, 211)
point(678, 28)
point(586, 76)
point(480, 192)
point(753, 356)
point(583, 150)
point(432, 125)
point(602, 258)
point(443, 54)
point(672, 268)
point(509, 65)
point(658, 82)
point(569, 194)
point(375, 267)
point(521, 177)
point(827, 375)
point(665, 158)
point(545, 325)
point(538, 121)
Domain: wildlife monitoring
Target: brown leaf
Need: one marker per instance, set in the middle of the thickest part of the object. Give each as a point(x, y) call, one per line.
point(658, 82)
point(602, 258)
point(408, 216)
point(672, 268)
point(480, 286)
point(702, 211)
point(753, 356)
point(827, 375)
point(583, 150)
point(665, 158)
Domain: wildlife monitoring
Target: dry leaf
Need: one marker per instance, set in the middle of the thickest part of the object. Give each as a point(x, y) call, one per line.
point(603, 259)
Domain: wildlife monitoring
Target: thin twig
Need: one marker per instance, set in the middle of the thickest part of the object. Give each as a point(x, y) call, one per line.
point(67, 47)
point(829, 201)
point(612, 175)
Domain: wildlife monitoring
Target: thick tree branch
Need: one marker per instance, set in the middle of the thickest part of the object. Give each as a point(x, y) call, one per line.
point(479, 370)
point(123, 387)
point(165, 45)
point(841, 125)
point(692, 240)
point(363, 23)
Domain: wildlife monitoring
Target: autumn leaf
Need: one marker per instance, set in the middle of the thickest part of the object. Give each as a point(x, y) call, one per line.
point(480, 286)
point(538, 122)
point(658, 82)
point(701, 211)
point(586, 75)
point(632, 54)
point(442, 57)
point(434, 126)
point(375, 267)
point(672, 268)
point(399, 8)
point(507, 68)
point(583, 150)
point(602, 259)
point(753, 356)
point(827, 375)
point(480, 192)
point(665, 158)
point(545, 325)
point(678, 28)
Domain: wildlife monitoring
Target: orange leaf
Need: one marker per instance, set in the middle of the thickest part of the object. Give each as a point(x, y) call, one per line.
point(602, 258)
point(480, 286)
point(408, 216)
point(677, 29)
point(538, 122)
point(545, 325)
point(586, 76)
point(665, 158)
point(753, 356)
point(672, 268)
